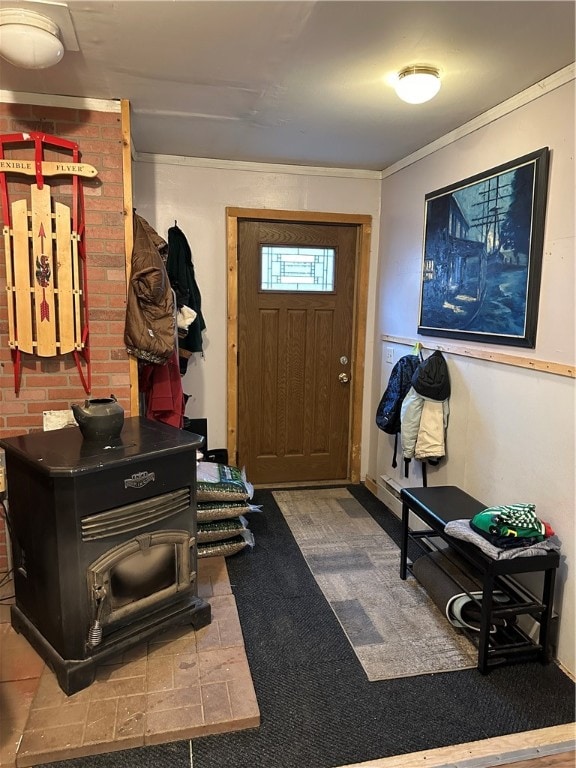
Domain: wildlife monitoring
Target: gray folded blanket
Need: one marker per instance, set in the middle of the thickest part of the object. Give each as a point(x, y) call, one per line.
point(460, 529)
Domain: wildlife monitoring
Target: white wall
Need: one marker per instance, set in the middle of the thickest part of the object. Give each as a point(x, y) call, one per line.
point(197, 196)
point(511, 430)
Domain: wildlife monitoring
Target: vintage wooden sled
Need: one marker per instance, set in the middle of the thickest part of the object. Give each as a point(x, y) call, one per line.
point(46, 282)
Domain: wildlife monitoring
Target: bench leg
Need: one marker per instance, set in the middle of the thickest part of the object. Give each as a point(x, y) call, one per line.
point(485, 616)
point(546, 617)
point(404, 541)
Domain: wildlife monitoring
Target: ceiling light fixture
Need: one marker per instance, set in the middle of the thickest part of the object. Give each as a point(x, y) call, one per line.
point(29, 39)
point(417, 84)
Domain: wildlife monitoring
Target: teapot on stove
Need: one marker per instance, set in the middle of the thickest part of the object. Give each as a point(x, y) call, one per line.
point(100, 418)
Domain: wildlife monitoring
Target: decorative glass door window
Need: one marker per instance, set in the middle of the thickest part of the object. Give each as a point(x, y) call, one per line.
point(294, 268)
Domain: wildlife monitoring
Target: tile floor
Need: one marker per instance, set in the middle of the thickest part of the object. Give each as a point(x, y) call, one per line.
point(180, 685)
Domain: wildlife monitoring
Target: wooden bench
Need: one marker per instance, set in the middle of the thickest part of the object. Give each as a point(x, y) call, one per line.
point(437, 506)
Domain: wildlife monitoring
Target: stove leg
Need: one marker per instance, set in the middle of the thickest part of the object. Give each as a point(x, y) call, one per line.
point(72, 676)
point(202, 615)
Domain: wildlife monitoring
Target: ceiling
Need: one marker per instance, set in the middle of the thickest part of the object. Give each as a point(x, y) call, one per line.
point(304, 83)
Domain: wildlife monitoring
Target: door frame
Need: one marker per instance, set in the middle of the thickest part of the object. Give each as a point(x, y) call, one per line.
point(364, 224)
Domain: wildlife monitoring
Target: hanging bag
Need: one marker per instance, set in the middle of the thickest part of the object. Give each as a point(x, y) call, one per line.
point(388, 412)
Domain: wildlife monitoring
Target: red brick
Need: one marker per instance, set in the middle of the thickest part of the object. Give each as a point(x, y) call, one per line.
point(113, 134)
point(78, 132)
point(43, 112)
point(97, 301)
point(111, 175)
point(26, 394)
point(16, 110)
point(14, 432)
point(53, 405)
point(21, 421)
point(116, 274)
point(32, 125)
point(112, 161)
point(112, 287)
point(52, 380)
point(108, 117)
point(112, 314)
point(117, 301)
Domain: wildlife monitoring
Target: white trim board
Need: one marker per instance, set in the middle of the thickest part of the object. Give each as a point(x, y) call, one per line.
point(70, 102)
point(238, 165)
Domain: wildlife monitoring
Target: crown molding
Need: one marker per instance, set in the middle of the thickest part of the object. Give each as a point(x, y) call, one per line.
point(70, 102)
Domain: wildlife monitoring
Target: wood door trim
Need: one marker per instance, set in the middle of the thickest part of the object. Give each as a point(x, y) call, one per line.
point(364, 224)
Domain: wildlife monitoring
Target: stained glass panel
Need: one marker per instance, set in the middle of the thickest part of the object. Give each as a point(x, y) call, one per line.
point(297, 268)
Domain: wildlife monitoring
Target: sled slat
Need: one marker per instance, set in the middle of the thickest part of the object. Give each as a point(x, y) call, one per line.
point(78, 292)
point(65, 278)
point(44, 304)
point(10, 298)
point(23, 330)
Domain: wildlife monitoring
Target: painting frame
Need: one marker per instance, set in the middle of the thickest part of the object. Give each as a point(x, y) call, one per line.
point(482, 254)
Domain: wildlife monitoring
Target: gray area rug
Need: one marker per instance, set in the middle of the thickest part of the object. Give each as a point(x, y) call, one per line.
point(392, 625)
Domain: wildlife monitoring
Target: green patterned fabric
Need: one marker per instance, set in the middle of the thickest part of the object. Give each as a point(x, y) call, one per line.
point(512, 520)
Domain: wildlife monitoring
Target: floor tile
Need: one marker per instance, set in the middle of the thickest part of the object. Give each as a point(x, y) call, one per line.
point(16, 697)
point(179, 685)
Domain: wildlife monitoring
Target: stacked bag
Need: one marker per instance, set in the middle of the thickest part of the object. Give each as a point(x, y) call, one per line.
point(222, 500)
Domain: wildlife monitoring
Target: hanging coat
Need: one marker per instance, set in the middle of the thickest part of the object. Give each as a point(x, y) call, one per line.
point(424, 413)
point(183, 281)
point(150, 329)
point(162, 386)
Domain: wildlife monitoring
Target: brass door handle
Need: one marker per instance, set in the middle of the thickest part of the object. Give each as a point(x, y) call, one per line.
point(343, 378)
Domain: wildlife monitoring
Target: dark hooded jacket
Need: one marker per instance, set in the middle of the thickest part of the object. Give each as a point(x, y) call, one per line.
point(431, 378)
point(181, 274)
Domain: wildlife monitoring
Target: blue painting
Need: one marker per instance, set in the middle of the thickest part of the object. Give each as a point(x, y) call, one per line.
point(482, 255)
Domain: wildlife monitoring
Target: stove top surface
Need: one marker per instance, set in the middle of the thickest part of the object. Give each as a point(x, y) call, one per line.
point(65, 451)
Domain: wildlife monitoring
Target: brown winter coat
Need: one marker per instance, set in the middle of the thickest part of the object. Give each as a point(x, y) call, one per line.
point(150, 328)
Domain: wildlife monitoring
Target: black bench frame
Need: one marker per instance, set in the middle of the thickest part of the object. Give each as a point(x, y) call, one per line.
point(437, 506)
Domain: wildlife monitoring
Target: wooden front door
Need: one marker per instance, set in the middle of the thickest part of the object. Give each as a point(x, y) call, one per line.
point(295, 349)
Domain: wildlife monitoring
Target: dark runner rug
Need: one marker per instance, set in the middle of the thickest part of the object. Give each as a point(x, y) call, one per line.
point(318, 709)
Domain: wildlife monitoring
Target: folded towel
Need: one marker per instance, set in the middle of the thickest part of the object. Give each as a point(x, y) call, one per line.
point(460, 529)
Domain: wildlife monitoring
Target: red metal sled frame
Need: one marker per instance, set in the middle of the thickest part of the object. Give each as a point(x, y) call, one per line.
point(40, 140)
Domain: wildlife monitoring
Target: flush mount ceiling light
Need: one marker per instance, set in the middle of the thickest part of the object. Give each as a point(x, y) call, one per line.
point(417, 84)
point(29, 39)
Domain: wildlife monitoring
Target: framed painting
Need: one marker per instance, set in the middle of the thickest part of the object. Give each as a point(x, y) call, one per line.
point(482, 255)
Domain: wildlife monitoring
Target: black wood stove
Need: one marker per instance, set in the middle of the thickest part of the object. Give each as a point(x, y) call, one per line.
point(104, 542)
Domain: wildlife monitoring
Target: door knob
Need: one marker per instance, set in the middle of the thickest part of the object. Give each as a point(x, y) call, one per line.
point(343, 378)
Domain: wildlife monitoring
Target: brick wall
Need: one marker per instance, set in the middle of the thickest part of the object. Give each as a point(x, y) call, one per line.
point(54, 383)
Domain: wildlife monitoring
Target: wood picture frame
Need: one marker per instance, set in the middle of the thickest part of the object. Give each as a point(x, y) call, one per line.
point(482, 254)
